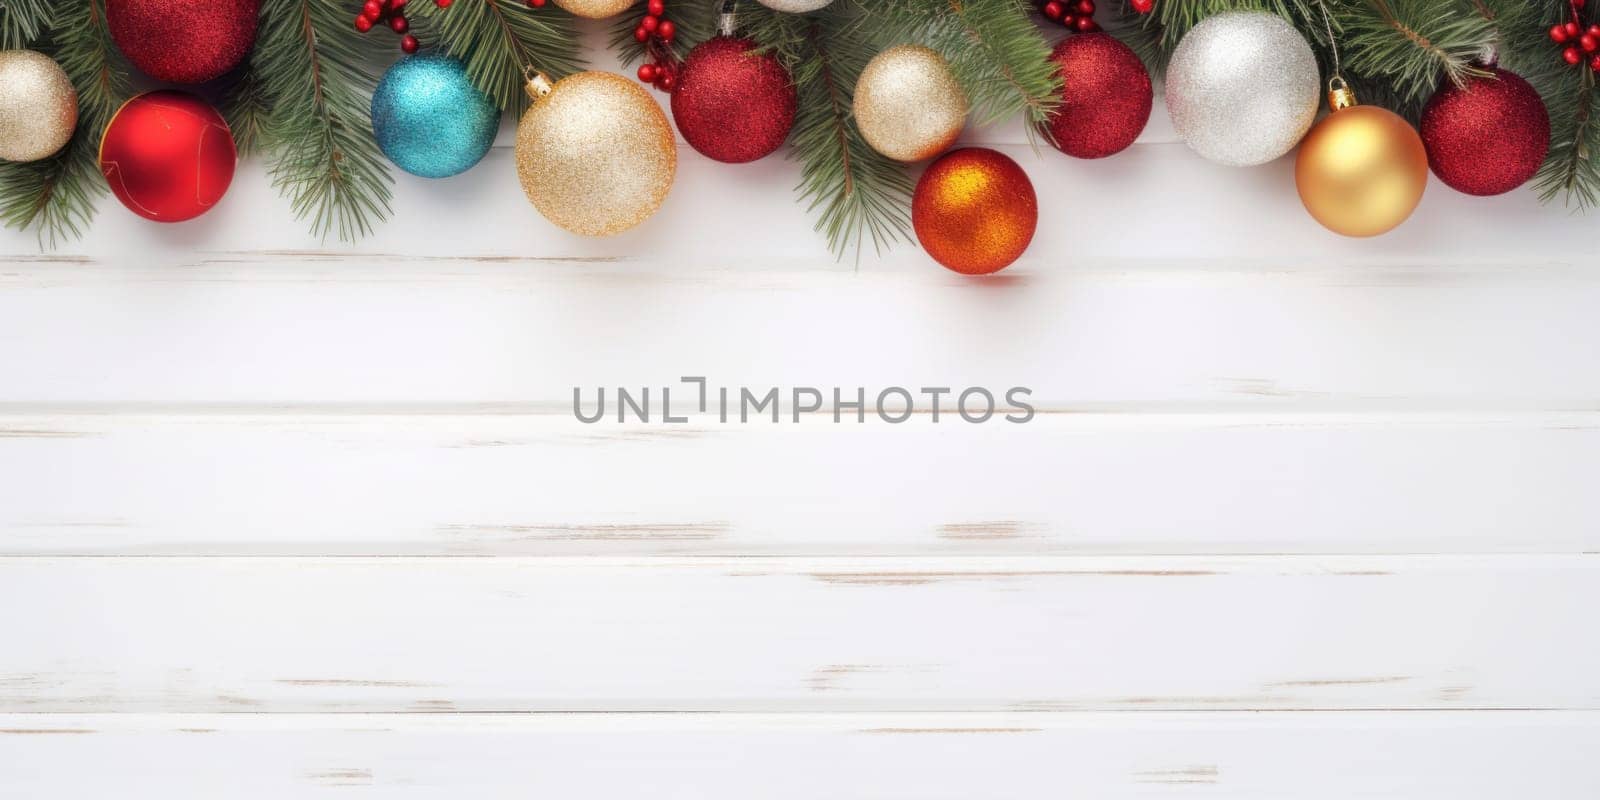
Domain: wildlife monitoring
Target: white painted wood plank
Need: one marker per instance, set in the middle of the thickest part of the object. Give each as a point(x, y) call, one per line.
point(1144, 633)
point(1111, 335)
point(1415, 756)
point(1156, 201)
point(510, 484)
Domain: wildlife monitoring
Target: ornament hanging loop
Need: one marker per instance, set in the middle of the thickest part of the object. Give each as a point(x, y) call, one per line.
point(538, 84)
point(1340, 96)
point(726, 22)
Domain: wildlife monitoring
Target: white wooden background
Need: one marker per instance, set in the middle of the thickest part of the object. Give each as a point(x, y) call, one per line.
point(1301, 516)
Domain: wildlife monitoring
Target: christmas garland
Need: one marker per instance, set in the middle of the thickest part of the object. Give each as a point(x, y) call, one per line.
point(1491, 94)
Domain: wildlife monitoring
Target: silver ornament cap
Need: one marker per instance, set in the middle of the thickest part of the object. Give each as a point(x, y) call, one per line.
point(795, 6)
point(1243, 88)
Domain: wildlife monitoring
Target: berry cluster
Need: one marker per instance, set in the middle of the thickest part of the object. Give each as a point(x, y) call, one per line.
point(1578, 42)
point(393, 13)
point(656, 33)
point(1078, 15)
point(1074, 15)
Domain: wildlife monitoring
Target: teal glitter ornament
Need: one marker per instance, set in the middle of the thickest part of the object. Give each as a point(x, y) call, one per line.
point(429, 119)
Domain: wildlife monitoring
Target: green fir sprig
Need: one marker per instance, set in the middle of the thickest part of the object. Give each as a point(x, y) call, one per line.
point(314, 85)
point(56, 196)
point(498, 40)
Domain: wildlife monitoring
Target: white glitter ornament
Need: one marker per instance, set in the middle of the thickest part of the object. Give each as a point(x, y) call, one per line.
point(1242, 88)
point(795, 6)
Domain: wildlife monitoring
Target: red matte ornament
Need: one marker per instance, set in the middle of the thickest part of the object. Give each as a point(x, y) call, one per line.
point(168, 156)
point(1106, 97)
point(1488, 136)
point(183, 41)
point(733, 104)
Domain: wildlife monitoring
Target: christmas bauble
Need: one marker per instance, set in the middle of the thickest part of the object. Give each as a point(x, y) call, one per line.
point(168, 156)
point(595, 154)
point(974, 211)
point(183, 41)
point(1106, 96)
point(429, 119)
point(732, 104)
point(1242, 88)
point(1488, 136)
point(38, 106)
point(908, 105)
point(1362, 170)
point(795, 6)
point(595, 9)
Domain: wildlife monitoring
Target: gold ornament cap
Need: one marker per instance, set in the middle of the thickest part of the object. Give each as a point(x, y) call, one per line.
point(1340, 95)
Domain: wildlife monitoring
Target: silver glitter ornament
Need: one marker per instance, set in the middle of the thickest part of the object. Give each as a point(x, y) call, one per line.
point(795, 6)
point(1242, 88)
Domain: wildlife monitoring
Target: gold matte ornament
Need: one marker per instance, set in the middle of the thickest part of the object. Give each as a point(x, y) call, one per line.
point(595, 153)
point(38, 106)
point(595, 9)
point(1362, 170)
point(908, 104)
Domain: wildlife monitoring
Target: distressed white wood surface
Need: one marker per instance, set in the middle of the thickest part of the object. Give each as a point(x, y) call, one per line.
point(799, 634)
point(296, 483)
point(1304, 516)
point(805, 756)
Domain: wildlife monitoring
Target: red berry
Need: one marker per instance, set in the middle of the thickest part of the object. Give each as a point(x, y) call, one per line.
point(1588, 43)
point(656, 8)
point(1594, 63)
point(536, 3)
point(1571, 29)
point(1085, 25)
point(363, 24)
point(640, 33)
point(647, 73)
point(443, 3)
point(667, 82)
point(399, 24)
point(1052, 10)
point(1571, 55)
point(372, 9)
point(396, 5)
point(666, 30)
point(1558, 34)
point(408, 43)
point(650, 24)
point(1085, 7)
point(1143, 6)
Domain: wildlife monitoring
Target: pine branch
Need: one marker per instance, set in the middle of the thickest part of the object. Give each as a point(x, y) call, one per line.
point(56, 196)
point(308, 60)
point(1412, 44)
point(23, 22)
point(859, 193)
point(248, 110)
point(497, 39)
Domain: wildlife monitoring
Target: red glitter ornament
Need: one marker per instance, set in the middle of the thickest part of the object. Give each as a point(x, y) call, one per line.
point(168, 156)
point(733, 104)
point(974, 211)
point(1487, 137)
point(1107, 96)
point(183, 41)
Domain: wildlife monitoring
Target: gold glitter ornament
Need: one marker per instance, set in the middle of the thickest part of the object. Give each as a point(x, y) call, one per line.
point(595, 153)
point(908, 104)
point(38, 106)
point(595, 9)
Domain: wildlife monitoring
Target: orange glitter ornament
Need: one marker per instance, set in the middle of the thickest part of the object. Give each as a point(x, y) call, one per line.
point(974, 211)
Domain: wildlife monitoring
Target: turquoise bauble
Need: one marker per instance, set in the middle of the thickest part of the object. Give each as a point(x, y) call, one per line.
point(429, 119)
